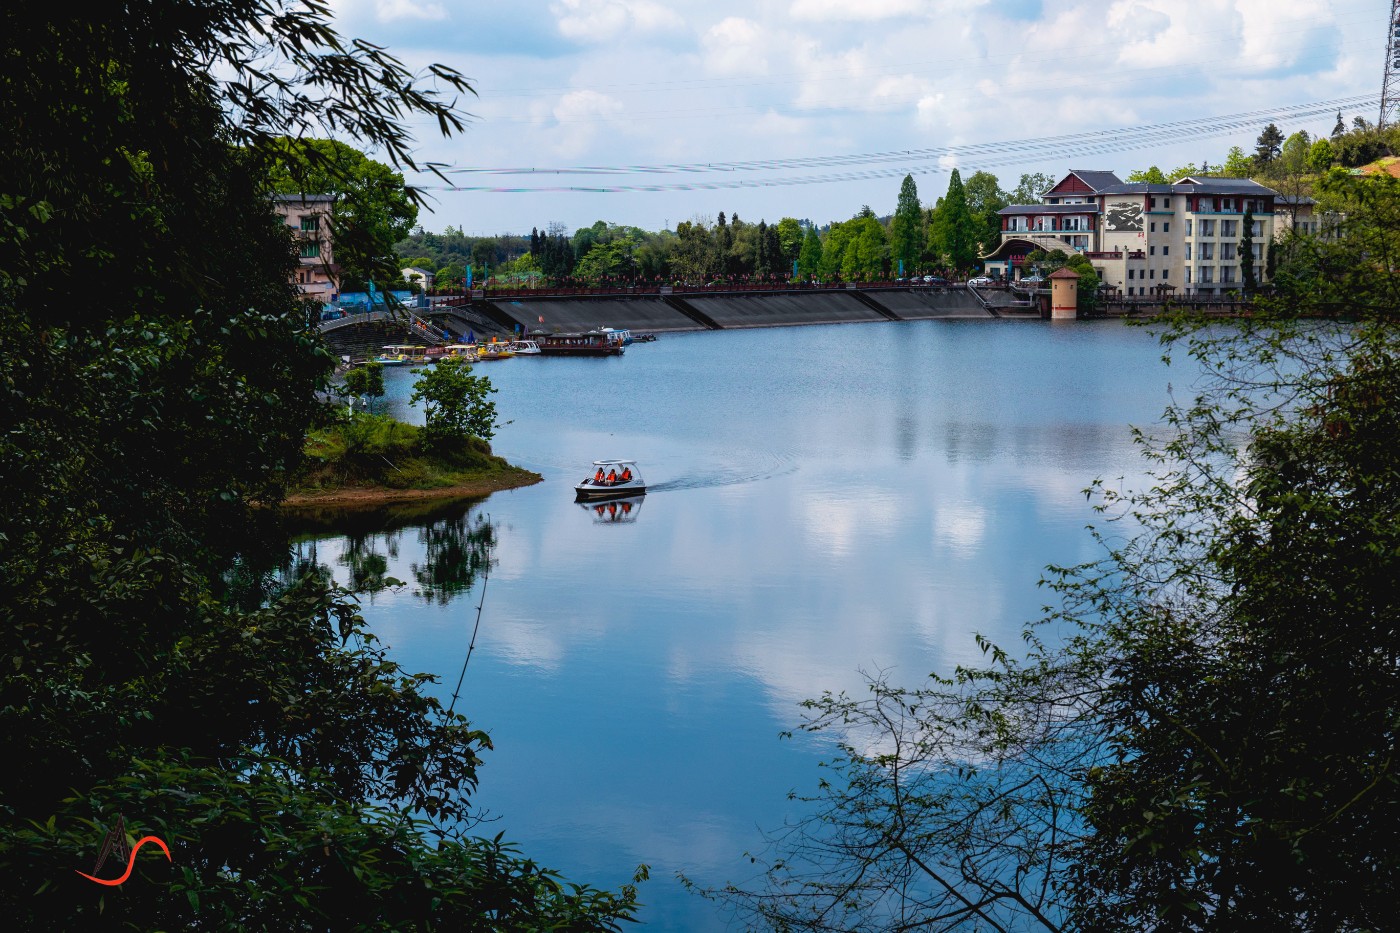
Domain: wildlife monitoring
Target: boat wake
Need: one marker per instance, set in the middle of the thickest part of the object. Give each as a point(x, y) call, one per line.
point(752, 469)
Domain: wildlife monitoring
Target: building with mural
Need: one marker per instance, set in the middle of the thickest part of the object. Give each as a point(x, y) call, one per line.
point(1146, 239)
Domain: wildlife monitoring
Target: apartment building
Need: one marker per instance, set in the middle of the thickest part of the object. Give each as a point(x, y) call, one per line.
point(1142, 238)
point(309, 217)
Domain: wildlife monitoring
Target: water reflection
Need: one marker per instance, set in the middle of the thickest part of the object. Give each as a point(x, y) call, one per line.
point(614, 511)
point(455, 541)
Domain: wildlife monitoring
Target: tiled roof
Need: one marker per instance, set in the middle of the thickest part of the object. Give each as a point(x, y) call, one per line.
point(1096, 178)
point(1194, 183)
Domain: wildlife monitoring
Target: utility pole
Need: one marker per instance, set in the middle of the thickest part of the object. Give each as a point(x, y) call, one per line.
point(1390, 87)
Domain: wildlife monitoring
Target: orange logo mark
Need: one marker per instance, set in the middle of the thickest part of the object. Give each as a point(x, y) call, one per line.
point(116, 840)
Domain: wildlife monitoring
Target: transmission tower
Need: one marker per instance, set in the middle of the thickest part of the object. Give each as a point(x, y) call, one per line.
point(1390, 89)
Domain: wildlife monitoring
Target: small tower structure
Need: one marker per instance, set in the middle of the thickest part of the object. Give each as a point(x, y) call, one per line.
point(1064, 295)
point(1390, 86)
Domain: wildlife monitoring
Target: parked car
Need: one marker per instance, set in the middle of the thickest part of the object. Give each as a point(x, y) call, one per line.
point(980, 280)
point(935, 280)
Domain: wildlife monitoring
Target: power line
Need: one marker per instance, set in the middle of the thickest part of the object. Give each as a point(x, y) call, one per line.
point(897, 163)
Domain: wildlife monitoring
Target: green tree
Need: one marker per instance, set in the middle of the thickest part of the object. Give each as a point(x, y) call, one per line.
point(1030, 188)
point(1237, 164)
point(1152, 175)
point(1320, 156)
point(956, 232)
point(809, 262)
point(456, 404)
point(372, 209)
point(366, 381)
point(155, 667)
point(790, 239)
point(906, 230)
point(1268, 146)
point(985, 199)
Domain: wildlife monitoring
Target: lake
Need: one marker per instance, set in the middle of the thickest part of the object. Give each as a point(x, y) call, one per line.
point(826, 501)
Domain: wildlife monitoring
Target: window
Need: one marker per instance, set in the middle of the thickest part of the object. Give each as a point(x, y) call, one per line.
point(311, 249)
point(1207, 274)
point(1152, 250)
point(311, 223)
point(1188, 275)
point(1154, 228)
point(1167, 226)
point(1258, 228)
point(1230, 228)
point(1188, 248)
point(1151, 273)
point(1207, 251)
point(1132, 273)
point(1166, 250)
point(1207, 228)
point(1227, 274)
point(1164, 274)
point(1188, 228)
point(1227, 204)
point(1227, 251)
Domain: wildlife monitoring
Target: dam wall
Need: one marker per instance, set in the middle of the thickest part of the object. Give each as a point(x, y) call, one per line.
point(704, 310)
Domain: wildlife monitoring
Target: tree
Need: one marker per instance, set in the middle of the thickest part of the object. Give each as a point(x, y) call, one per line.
point(456, 404)
point(1320, 156)
point(372, 209)
point(1268, 145)
point(1192, 754)
point(906, 230)
point(1152, 175)
point(790, 239)
point(156, 668)
point(1030, 188)
point(809, 261)
point(955, 226)
point(1247, 276)
point(366, 381)
point(985, 199)
point(1340, 128)
point(1237, 164)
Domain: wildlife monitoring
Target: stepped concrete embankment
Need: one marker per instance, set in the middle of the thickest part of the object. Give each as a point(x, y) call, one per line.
point(697, 310)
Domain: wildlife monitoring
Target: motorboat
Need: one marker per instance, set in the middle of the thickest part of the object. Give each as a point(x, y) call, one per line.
point(611, 479)
point(614, 511)
point(621, 337)
point(525, 348)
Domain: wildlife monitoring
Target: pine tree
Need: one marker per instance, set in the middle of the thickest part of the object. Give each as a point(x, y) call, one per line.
point(1268, 145)
point(906, 230)
point(1340, 129)
point(955, 234)
point(809, 261)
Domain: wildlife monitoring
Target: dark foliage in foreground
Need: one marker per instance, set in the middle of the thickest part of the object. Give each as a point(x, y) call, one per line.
point(157, 373)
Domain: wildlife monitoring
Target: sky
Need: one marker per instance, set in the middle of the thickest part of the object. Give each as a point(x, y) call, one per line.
point(616, 84)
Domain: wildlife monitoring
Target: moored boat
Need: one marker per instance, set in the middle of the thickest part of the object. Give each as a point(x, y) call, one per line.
point(494, 350)
point(611, 479)
point(525, 348)
point(592, 343)
point(403, 355)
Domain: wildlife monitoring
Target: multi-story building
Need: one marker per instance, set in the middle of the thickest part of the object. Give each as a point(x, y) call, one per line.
point(1142, 238)
point(309, 216)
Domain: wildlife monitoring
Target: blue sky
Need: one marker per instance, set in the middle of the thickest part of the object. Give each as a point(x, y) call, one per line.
point(642, 82)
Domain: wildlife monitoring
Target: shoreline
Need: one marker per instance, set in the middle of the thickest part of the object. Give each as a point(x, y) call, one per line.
point(370, 496)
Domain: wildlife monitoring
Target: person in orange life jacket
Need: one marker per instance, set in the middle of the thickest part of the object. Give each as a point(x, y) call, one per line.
point(612, 477)
point(598, 477)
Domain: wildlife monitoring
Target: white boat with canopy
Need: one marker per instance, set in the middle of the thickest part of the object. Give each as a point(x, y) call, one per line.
point(612, 479)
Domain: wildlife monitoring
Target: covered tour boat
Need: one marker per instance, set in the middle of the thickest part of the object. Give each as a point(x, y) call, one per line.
point(403, 355)
point(592, 343)
point(611, 479)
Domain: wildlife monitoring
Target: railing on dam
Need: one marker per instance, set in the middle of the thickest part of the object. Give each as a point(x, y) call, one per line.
point(659, 290)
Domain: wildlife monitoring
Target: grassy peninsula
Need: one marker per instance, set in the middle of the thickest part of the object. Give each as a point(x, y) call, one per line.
point(371, 459)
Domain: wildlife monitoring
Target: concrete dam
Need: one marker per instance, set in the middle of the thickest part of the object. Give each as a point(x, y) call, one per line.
point(699, 310)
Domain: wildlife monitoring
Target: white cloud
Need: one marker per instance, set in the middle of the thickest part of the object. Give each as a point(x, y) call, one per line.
point(596, 21)
point(735, 46)
point(387, 11)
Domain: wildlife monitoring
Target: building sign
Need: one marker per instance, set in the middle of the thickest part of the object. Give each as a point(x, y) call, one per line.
point(1123, 215)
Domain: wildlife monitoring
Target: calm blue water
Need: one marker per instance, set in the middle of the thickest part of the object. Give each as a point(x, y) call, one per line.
point(828, 500)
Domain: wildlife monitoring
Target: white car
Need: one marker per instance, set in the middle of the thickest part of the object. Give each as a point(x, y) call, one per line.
point(980, 280)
